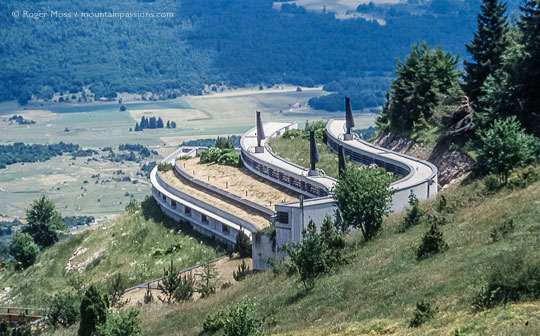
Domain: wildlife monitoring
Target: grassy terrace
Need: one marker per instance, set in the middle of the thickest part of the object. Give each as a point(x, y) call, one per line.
point(296, 150)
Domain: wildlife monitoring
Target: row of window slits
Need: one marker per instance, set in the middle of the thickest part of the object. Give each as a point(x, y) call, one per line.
point(187, 211)
point(285, 178)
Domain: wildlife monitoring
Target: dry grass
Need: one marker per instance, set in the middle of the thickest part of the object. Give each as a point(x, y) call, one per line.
point(238, 181)
point(252, 217)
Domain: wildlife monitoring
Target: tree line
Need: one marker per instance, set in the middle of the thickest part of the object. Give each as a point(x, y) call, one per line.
point(19, 152)
point(492, 107)
point(152, 123)
point(213, 42)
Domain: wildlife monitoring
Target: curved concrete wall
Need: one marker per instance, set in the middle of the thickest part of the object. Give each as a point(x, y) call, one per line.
point(419, 176)
point(203, 217)
point(278, 170)
point(237, 200)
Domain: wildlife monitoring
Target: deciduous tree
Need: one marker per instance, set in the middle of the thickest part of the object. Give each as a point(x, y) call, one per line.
point(363, 198)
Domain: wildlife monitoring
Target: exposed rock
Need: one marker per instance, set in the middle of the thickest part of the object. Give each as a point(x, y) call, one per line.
point(451, 164)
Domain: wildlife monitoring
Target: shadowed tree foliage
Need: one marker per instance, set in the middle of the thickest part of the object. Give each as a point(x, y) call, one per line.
point(513, 90)
point(243, 244)
point(505, 146)
point(23, 249)
point(486, 48)
point(422, 81)
point(94, 307)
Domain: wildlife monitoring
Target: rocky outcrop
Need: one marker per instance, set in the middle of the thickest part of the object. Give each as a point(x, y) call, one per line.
point(451, 163)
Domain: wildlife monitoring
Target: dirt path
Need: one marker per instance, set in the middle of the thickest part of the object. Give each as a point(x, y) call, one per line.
point(225, 268)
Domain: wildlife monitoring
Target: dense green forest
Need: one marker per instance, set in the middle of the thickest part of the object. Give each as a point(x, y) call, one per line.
point(20, 152)
point(234, 42)
point(490, 110)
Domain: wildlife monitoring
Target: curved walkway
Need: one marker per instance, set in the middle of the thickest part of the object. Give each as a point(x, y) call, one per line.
point(419, 176)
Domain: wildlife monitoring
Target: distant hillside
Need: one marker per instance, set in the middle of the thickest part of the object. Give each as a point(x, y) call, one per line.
point(205, 42)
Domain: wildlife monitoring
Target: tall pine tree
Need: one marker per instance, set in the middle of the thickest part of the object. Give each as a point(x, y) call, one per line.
point(486, 48)
point(422, 82)
point(527, 75)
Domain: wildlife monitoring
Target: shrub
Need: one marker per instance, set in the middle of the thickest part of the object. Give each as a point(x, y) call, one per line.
point(93, 311)
point(229, 159)
point(243, 245)
point(117, 285)
point(242, 272)
point(174, 286)
point(514, 277)
point(334, 242)
point(165, 167)
point(309, 256)
point(423, 313)
point(148, 297)
point(502, 230)
point(414, 214)
point(210, 155)
point(241, 320)
point(522, 178)
point(23, 249)
point(64, 310)
point(505, 146)
point(123, 323)
point(492, 183)
point(209, 280)
point(213, 323)
point(291, 134)
point(432, 243)
point(184, 292)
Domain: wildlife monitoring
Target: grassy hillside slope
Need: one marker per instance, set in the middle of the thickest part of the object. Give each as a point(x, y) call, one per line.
point(126, 245)
point(377, 292)
point(374, 294)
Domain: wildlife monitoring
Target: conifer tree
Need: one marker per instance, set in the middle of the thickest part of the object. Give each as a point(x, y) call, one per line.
point(486, 48)
point(527, 74)
point(422, 81)
point(44, 222)
point(152, 123)
point(159, 123)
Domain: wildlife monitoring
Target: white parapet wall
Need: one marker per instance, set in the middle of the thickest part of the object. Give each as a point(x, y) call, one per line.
point(203, 217)
point(418, 177)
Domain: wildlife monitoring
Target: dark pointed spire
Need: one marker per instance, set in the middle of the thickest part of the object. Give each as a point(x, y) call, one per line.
point(260, 130)
point(313, 150)
point(342, 160)
point(348, 115)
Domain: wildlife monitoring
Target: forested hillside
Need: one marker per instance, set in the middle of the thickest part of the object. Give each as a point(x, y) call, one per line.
point(205, 42)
